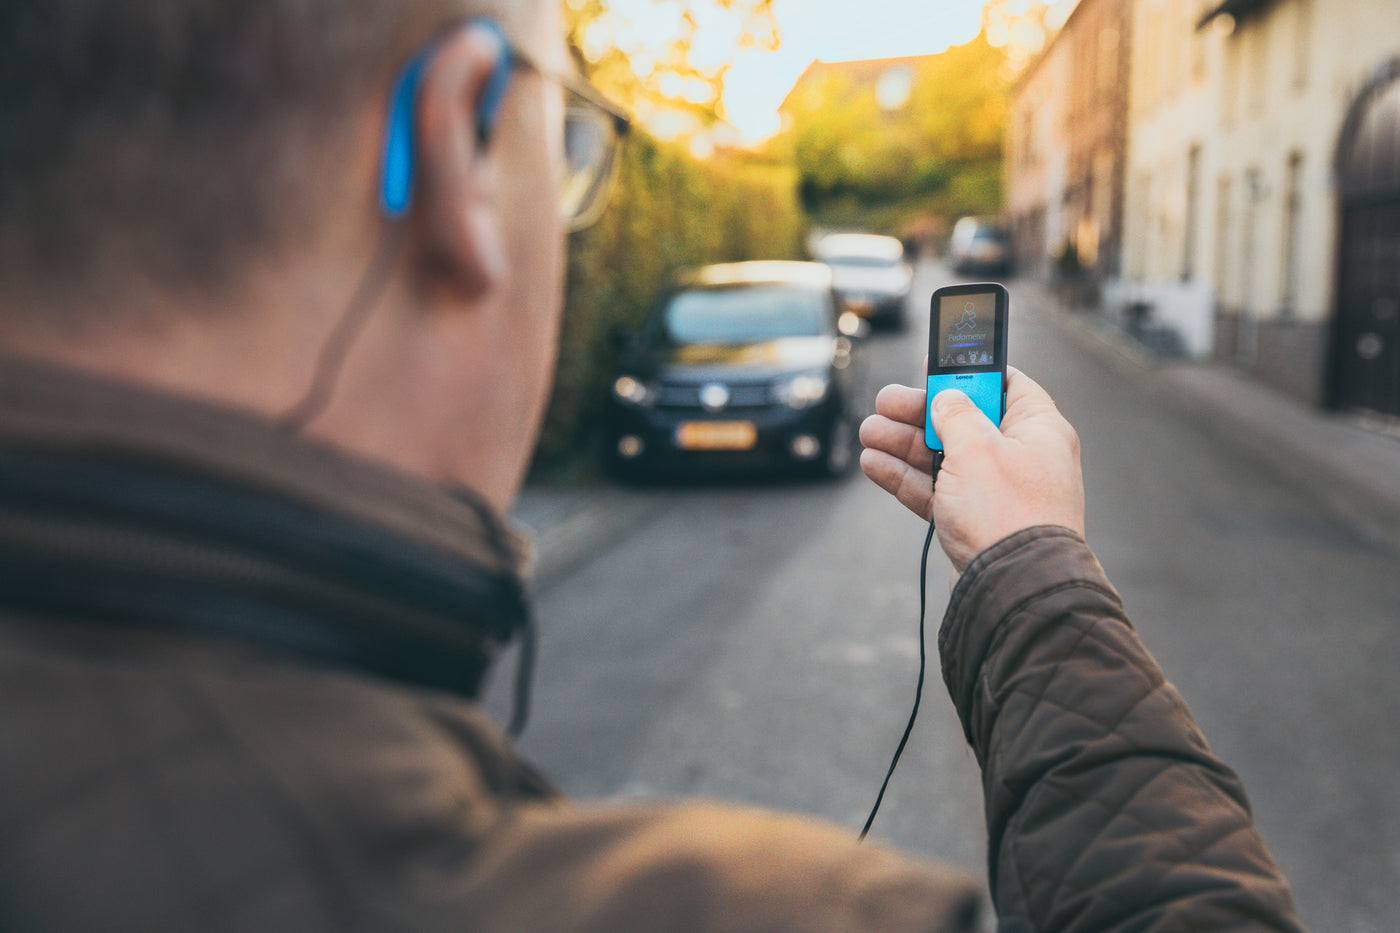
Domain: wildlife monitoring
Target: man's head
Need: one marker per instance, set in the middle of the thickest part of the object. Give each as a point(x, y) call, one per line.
point(126, 127)
point(188, 196)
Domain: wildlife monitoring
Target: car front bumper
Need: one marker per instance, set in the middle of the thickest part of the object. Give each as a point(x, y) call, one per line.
point(742, 439)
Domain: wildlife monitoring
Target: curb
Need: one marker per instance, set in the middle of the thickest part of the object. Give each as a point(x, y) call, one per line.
point(1352, 472)
point(571, 526)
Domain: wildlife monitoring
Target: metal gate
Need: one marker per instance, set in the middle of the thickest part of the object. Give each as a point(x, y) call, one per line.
point(1366, 332)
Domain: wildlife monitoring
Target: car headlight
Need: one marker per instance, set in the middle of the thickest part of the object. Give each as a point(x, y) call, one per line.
point(633, 392)
point(800, 391)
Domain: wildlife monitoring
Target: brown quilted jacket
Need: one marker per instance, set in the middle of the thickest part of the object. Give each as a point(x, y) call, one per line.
point(1105, 808)
point(190, 766)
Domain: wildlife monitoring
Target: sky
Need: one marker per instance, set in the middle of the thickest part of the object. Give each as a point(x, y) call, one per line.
point(831, 30)
point(839, 30)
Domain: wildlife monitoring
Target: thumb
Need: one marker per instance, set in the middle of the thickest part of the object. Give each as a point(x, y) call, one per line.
point(957, 420)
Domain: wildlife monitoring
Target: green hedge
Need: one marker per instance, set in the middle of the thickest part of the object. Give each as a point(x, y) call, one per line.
point(669, 210)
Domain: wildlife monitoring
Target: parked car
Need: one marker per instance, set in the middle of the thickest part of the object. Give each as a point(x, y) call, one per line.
point(739, 366)
point(870, 275)
point(980, 247)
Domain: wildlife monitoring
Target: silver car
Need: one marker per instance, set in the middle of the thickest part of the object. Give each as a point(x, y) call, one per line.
point(979, 247)
point(870, 274)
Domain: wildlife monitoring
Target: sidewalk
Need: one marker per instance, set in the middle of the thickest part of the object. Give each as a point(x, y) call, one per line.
point(570, 525)
point(1352, 471)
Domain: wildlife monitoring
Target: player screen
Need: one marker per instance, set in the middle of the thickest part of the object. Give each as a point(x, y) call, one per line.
point(967, 330)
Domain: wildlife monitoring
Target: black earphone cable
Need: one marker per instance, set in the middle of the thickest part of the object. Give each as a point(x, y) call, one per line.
point(347, 330)
point(923, 663)
point(329, 364)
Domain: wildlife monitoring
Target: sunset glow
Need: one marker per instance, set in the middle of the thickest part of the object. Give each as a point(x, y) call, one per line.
point(759, 78)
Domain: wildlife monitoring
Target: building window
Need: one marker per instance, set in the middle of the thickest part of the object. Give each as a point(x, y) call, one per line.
point(1222, 241)
point(1193, 198)
point(1292, 224)
point(1106, 197)
point(895, 87)
point(1143, 218)
point(1230, 102)
point(1025, 144)
point(1255, 192)
point(1258, 67)
point(1108, 56)
point(1197, 40)
point(1302, 43)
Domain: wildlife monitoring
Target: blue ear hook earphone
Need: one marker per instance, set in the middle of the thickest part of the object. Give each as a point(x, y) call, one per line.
point(395, 199)
point(396, 183)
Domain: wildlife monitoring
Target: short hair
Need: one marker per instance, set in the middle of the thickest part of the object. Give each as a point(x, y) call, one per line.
point(181, 136)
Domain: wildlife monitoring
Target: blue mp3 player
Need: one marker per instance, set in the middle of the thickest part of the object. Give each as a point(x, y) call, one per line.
point(967, 350)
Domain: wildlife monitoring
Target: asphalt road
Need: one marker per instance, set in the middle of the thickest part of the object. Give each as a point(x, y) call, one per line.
point(758, 641)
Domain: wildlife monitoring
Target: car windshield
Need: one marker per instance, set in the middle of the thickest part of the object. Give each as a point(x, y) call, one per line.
point(863, 262)
point(747, 314)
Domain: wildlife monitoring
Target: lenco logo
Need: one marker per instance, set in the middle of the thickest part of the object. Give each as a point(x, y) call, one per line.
point(963, 378)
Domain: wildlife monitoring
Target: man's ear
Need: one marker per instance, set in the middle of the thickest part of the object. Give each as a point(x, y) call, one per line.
point(455, 217)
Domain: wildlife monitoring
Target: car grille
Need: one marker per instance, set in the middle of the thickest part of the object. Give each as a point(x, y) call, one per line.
point(688, 396)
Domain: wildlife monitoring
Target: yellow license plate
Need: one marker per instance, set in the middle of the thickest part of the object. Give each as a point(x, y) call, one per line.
point(716, 435)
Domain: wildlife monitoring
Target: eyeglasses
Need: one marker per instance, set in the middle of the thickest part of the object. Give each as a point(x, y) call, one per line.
point(593, 131)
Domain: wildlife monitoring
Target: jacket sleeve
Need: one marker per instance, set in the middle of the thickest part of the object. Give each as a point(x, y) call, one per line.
point(1105, 808)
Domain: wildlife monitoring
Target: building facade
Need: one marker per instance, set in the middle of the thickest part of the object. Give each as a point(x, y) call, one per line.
point(1263, 193)
point(1171, 202)
point(1037, 156)
point(1067, 146)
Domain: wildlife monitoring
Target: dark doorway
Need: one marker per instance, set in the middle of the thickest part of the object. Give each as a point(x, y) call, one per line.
point(1365, 368)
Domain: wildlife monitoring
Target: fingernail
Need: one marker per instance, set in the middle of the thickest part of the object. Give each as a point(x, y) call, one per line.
point(949, 397)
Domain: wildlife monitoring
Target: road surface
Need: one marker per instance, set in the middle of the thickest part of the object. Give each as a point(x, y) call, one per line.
point(758, 641)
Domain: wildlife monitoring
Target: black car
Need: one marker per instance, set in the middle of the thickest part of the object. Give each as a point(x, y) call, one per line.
point(739, 366)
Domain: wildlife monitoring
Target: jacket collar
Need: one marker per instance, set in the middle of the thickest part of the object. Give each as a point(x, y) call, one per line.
point(124, 505)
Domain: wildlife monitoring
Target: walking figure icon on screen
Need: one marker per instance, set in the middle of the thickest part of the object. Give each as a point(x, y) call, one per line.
point(969, 318)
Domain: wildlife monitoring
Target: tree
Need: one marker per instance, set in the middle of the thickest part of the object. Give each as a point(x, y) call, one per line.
point(617, 43)
point(669, 209)
point(939, 150)
point(1023, 27)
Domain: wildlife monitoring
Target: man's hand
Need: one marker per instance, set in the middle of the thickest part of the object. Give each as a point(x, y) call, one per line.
point(992, 483)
